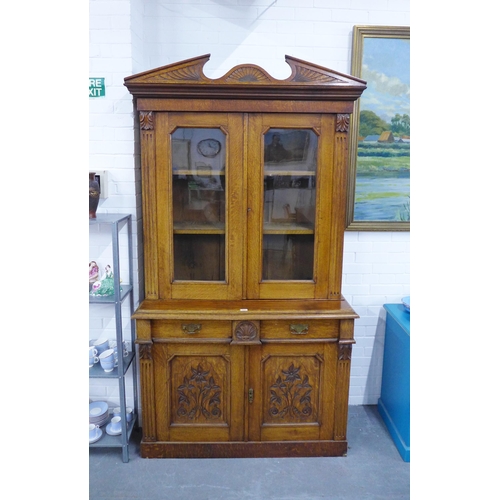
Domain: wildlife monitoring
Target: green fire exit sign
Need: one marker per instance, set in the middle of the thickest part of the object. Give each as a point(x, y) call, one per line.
point(96, 87)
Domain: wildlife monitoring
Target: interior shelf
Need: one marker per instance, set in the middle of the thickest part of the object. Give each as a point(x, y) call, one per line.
point(288, 228)
point(296, 173)
point(199, 228)
point(199, 172)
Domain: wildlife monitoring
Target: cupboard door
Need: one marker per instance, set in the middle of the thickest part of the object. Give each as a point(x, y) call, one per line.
point(290, 160)
point(199, 205)
point(199, 392)
point(292, 387)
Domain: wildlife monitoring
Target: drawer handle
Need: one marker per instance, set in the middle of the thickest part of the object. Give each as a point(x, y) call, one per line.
point(299, 329)
point(191, 328)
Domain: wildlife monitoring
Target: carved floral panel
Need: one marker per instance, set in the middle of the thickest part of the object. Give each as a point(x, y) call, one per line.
point(292, 389)
point(199, 387)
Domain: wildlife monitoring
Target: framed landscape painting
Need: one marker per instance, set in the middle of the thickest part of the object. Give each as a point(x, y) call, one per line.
point(379, 170)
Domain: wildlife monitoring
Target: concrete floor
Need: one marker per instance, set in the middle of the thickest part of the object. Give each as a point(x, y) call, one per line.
point(373, 469)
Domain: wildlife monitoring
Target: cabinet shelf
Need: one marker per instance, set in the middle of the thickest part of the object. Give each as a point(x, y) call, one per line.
point(114, 219)
point(97, 372)
point(199, 228)
point(115, 223)
point(111, 299)
point(108, 441)
point(288, 228)
point(214, 228)
point(199, 172)
point(296, 173)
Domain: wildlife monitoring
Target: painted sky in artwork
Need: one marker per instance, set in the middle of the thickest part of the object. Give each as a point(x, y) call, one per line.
point(386, 68)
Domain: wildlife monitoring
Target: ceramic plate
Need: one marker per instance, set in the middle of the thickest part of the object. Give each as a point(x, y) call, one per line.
point(406, 303)
point(97, 408)
point(110, 432)
point(99, 421)
point(99, 436)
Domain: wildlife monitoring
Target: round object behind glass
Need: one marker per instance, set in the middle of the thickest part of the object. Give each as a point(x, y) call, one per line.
point(209, 147)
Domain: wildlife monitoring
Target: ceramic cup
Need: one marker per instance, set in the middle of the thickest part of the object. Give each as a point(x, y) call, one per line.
point(108, 360)
point(116, 424)
point(93, 431)
point(113, 344)
point(101, 345)
point(93, 356)
point(129, 413)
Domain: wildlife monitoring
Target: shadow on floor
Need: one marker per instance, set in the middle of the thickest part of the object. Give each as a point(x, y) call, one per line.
point(372, 469)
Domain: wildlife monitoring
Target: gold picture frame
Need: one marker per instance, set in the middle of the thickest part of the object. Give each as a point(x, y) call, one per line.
point(378, 197)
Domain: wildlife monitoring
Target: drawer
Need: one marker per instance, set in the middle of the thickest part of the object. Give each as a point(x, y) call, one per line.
point(297, 329)
point(190, 329)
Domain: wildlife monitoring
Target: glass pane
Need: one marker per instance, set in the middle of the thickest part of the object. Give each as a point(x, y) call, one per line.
point(288, 257)
point(199, 203)
point(289, 204)
point(199, 257)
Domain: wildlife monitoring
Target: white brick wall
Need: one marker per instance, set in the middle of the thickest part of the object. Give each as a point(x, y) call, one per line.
point(376, 272)
point(113, 27)
point(129, 36)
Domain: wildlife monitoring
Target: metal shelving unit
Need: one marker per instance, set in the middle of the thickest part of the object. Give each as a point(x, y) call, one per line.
point(116, 223)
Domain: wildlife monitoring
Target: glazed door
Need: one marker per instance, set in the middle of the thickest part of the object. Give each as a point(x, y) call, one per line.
point(199, 188)
point(199, 392)
point(292, 388)
point(290, 159)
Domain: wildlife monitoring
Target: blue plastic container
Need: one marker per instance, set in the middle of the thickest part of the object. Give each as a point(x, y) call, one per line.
point(394, 402)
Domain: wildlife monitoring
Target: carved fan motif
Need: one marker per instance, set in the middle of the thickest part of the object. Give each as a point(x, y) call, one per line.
point(246, 330)
point(247, 74)
point(190, 73)
point(308, 75)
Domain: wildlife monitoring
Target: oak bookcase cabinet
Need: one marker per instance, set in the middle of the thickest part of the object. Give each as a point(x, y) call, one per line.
point(244, 337)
